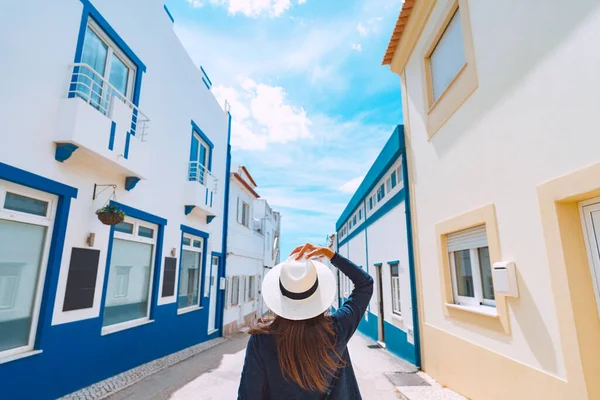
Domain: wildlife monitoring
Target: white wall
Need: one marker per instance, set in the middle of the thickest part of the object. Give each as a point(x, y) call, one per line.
point(172, 94)
point(245, 250)
point(531, 119)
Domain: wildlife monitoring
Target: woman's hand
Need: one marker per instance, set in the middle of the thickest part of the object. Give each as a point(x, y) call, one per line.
point(312, 251)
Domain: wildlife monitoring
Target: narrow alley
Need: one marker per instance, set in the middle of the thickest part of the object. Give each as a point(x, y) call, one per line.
point(215, 373)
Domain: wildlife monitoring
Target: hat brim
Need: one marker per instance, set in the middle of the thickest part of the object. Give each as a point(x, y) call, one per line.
point(297, 310)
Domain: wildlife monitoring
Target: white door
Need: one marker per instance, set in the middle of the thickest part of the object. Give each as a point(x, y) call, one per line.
point(590, 214)
point(212, 308)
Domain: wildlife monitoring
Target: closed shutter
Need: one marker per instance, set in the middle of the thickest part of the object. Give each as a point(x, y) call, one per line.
point(471, 238)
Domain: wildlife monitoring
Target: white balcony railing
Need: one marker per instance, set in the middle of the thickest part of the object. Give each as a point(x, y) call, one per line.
point(199, 173)
point(95, 90)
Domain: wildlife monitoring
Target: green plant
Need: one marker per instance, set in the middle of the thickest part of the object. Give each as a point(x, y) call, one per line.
point(110, 209)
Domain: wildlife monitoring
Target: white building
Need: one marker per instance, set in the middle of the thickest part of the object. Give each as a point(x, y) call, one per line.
point(372, 232)
point(501, 119)
point(252, 247)
point(100, 104)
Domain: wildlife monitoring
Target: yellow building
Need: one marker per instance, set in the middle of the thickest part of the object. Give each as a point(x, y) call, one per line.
point(500, 104)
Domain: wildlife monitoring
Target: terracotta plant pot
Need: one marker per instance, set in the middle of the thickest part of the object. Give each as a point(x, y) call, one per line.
point(110, 218)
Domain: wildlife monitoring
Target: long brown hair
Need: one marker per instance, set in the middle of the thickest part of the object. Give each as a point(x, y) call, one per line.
point(306, 349)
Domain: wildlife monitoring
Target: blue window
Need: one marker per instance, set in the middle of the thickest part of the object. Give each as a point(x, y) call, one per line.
point(359, 215)
point(200, 156)
point(354, 220)
point(394, 179)
point(371, 203)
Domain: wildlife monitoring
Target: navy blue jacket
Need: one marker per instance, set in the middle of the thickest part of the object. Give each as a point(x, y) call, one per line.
point(262, 378)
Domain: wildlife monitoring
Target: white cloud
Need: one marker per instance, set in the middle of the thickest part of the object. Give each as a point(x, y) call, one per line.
point(250, 8)
point(351, 186)
point(362, 30)
point(195, 3)
point(356, 46)
point(262, 114)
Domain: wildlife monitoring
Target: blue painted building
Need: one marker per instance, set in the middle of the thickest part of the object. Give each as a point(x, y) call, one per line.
point(374, 232)
point(99, 109)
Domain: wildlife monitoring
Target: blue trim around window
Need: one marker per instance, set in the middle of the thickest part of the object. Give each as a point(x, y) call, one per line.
point(89, 11)
point(389, 154)
point(395, 262)
point(169, 13)
point(378, 264)
point(196, 129)
point(64, 193)
point(144, 216)
point(192, 231)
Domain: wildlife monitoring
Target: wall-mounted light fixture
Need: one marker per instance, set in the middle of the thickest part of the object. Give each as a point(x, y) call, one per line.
point(173, 252)
point(90, 239)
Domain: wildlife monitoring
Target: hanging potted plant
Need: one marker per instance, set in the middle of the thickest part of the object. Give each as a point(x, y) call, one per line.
point(110, 215)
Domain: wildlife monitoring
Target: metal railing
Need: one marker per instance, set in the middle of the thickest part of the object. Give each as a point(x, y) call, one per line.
point(199, 173)
point(95, 90)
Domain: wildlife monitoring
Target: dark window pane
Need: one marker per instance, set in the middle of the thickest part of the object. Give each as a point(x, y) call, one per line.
point(197, 244)
point(24, 204)
point(486, 273)
point(394, 268)
point(187, 241)
point(464, 273)
point(81, 279)
point(145, 232)
point(124, 227)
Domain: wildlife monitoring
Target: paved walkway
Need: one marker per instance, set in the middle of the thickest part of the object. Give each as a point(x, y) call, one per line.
point(215, 374)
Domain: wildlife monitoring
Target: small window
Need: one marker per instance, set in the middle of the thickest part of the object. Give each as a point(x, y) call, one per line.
point(380, 193)
point(370, 203)
point(124, 227)
point(197, 244)
point(394, 270)
point(471, 267)
point(448, 56)
point(186, 241)
point(146, 232)
point(400, 176)
point(359, 215)
point(354, 220)
point(389, 184)
point(25, 204)
point(393, 179)
point(235, 290)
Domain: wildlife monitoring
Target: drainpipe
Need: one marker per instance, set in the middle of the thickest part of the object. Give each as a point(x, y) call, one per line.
point(411, 259)
point(222, 273)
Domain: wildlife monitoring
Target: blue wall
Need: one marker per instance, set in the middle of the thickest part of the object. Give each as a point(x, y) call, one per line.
point(75, 355)
point(395, 338)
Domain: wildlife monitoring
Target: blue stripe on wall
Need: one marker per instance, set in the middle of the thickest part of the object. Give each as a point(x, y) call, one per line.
point(384, 161)
point(169, 13)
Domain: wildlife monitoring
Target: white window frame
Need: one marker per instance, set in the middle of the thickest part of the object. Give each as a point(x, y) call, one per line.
point(201, 270)
point(134, 237)
point(585, 209)
point(478, 299)
point(48, 222)
point(396, 290)
point(114, 50)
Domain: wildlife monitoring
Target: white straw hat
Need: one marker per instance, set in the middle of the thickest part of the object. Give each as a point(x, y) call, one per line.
point(299, 289)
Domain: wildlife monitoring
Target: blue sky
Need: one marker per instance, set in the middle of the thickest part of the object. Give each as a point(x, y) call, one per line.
point(311, 104)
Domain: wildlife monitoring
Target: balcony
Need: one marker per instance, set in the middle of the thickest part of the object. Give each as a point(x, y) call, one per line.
point(99, 123)
point(200, 191)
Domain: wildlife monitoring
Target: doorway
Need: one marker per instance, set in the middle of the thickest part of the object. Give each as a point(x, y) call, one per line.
point(380, 317)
